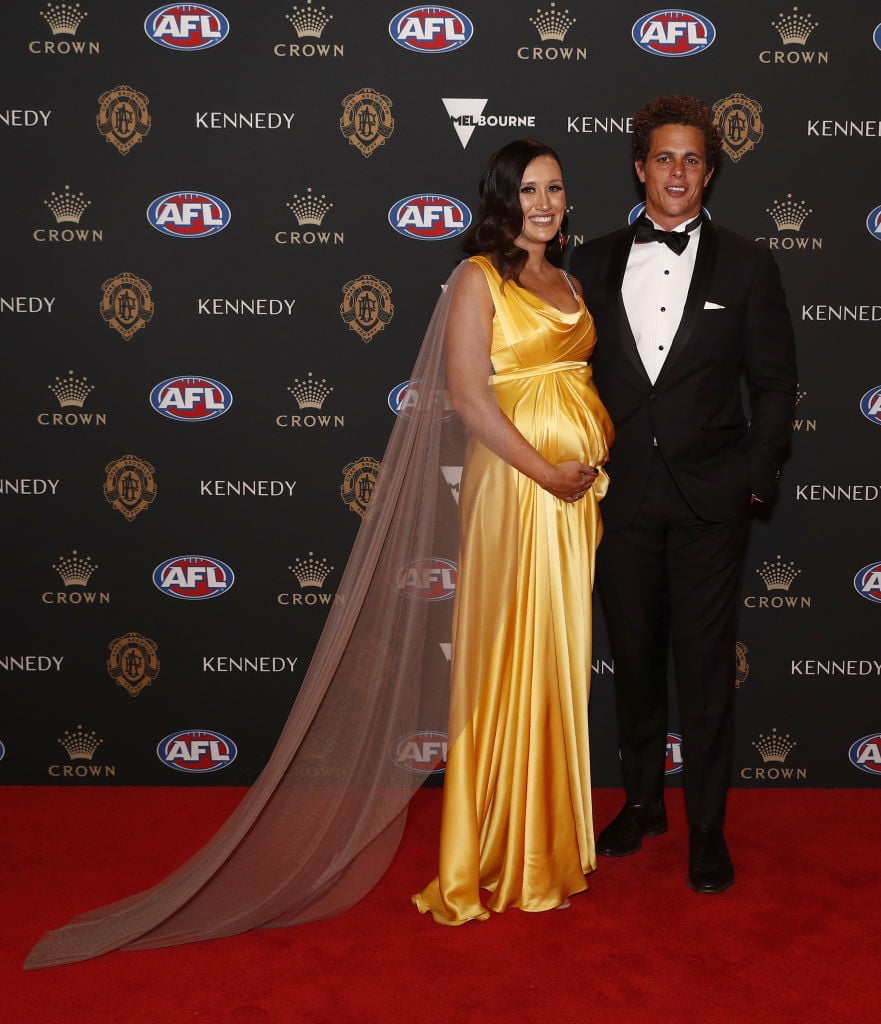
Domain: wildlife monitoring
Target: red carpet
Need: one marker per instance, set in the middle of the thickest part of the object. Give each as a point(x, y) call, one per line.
point(795, 940)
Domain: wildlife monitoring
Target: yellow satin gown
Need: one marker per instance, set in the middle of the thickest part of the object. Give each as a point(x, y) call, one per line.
point(517, 828)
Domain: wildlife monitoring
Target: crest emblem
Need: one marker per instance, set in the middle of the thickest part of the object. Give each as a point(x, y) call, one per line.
point(740, 123)
point(129, 486)
point(126, 305)
point(359, 479)
point(367, 120)
point(367, 305)
point(123, 118)
point(132, 662)
point(741, 665)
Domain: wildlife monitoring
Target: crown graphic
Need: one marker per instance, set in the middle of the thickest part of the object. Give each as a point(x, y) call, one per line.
point(311, 572)
point(552, 24)
point(309, 21)
point(799, 394)
point(71, 390)
point(310, 393)
point(778, 575)
point(67, 207)
point(774, 747)
point(75, 570)
point(80, 746)
point(309, 209)
point(63, 19)
point(787, 215)
point(795, 27)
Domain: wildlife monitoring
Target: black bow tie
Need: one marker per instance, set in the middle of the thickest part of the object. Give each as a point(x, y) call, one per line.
point(676, 240)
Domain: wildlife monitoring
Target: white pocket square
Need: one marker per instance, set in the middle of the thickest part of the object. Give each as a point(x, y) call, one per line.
point(712, 305)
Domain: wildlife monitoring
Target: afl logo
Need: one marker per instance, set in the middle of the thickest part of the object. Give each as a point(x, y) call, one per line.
point(2, 750)
point(868, 582)
point(876, 35)
point(193, 577)
point(188, 214)
point(186, 26)
point(196, 751)
point(431, 29)
point(429, 217)
point(865, 754)
point(674, 763)
point(673, 33)
point(191, 399)
point(870, 405)
point(427, 579)
point(403, 400)
point(422, 752)
point(873, 223)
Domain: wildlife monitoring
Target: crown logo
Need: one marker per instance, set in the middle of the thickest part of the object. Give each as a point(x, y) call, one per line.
point(67, 207)
point(309, 21)
point(552, 24)
point(774, 747)
point(787, 215)
point(778, 575)
point(80, 746)
point(74, 570)
point(63, 19)
point(71, 390)
point(799, 394)
point(311, 572)
point(310, 393)
point(795, 27)
point(309, 209)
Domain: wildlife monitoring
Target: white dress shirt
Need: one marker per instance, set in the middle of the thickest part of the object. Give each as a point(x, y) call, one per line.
point(655, 287)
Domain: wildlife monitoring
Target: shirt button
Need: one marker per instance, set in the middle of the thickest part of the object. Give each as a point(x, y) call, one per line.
point(660, 348)
point(667, 273)
point(663, 309)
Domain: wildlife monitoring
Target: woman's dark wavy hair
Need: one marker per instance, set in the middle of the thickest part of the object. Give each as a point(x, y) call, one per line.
point(499, 219)
point(675, 110)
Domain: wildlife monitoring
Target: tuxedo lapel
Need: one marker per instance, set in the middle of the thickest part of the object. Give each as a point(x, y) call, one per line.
point(617, 265)
point(704, 263)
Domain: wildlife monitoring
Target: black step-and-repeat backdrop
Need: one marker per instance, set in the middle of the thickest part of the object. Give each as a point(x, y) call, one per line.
point(224, 231)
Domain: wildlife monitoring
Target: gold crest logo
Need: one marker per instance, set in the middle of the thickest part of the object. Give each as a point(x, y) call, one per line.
point(740, 123)
point(129, 486)
point(367, 305)
point(123, 118)
point(741, 665)
point(126, 305)
point(132, 662)
point(359, 479)
point(367, 120)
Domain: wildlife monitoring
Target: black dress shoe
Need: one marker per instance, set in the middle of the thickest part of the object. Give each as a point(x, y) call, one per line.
point(624, 835)
point(709, 863)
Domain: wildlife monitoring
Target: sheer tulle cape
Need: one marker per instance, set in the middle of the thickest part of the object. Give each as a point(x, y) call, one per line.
point(320, 825)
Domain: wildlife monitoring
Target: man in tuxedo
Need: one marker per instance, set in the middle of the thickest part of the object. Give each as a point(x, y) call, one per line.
point(685, 312)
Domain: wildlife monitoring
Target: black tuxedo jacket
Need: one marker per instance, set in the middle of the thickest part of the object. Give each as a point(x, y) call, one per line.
point(735, 328)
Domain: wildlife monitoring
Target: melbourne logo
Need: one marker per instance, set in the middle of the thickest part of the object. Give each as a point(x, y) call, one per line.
point(188, 214)
point(673, 33)
point(367, 120)
point(867, 582)
point(123, 118)
point(424, 753)
point(873, 223)
point(739, 121)
point(674, 763)
point(193, 577)
point(133, 662)
point(367, 306)
point(427, 579)
point(186, 26)
point(129, 486)
point(404, 400)
point(870, 405)
point(865, 754)
point(196, 751)
point(359, 480)
point(431, 29)
point(126, 304)
point(467, 114)
point(429, 217)
point(191, 399)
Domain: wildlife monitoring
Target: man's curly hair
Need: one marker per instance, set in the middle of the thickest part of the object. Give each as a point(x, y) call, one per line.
point(675, 110)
